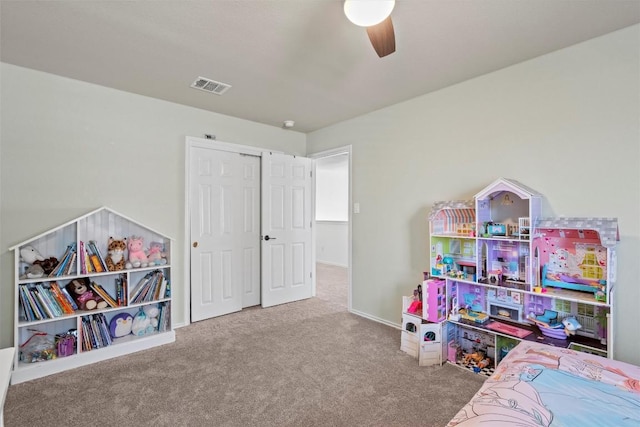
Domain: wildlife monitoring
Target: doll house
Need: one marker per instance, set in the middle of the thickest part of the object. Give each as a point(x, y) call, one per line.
point(517, 276)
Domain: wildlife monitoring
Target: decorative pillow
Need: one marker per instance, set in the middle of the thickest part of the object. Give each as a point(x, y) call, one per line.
point(121, 325)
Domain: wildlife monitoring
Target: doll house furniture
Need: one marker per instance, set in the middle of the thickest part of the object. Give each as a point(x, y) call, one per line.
point(513, 276)
point(42, 306)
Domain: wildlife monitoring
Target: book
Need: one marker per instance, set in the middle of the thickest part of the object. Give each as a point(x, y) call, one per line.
point(118, 281)
point(70, 267)
point(96, 253)
point(125, 290)
point(50, 302)
point(87, 343)
point(85, 263)
point(59, 270)
point(26, 304)
point(94, 260)
point(37, 311)
point(69, 298)
point(62, 299)
point(104, 329)
point(142, 283)
point(163, 289)
point(40, 301)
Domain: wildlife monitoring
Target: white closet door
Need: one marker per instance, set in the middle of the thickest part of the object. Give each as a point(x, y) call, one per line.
point(225, 232)
point(286, 229)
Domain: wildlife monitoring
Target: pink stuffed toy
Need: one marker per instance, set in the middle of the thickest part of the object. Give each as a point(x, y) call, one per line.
point(137, 256)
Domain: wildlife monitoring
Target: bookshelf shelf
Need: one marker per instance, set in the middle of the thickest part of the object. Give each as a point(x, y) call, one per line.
point(44, 303)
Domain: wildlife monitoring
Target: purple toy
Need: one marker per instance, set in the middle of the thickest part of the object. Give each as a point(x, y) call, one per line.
point(120, 325)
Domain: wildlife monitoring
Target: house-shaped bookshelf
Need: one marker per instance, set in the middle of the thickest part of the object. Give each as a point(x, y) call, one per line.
point(44, 303)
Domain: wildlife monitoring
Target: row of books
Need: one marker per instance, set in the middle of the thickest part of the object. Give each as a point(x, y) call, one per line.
point(92, 259)
point(40, 301)
point(95, 332)
point(66, 264)
point(153, 286)
point(99, 290)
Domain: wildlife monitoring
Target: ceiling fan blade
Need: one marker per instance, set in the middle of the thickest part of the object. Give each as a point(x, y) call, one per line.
point(382, 37)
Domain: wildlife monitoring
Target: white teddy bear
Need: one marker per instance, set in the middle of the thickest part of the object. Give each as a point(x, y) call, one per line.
point(145, 321)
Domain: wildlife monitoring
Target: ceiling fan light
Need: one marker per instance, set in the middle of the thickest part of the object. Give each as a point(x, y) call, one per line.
point(366, 13)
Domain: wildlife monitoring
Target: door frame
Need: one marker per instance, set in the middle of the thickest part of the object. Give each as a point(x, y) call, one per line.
point(195, 142)
point(347, 149)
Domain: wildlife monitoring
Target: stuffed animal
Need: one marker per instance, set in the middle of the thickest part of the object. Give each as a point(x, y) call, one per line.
point(120, 325)
point(156, 254)
point(83, 296)
point(115, 250)
point(30, 255)
point(32, 272)
point(137, 256)
point(152, 313)
point(141, 324)
point(48, 264)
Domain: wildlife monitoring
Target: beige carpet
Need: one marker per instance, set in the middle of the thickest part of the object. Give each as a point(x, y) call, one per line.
point(309, 363)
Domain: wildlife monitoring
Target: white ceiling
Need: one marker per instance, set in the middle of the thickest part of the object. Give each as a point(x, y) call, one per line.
point(298, 60)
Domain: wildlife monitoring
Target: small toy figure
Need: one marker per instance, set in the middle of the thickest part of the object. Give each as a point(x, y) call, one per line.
point(483, 363)
point(84, 296)
point(476, 357)
point(137, 256)
point(571, 325)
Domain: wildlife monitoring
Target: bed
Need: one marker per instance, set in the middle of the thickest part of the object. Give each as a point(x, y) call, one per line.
point(540, 385)
point(567, 281)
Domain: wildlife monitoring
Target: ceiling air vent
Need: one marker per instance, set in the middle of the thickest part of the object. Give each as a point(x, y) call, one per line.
point(209, 85)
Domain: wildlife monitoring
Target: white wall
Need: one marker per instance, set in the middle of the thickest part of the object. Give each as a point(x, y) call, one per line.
point(332, 242)
point(566, 124)
point(332, 210)
point(68, 147)
point(332, 188)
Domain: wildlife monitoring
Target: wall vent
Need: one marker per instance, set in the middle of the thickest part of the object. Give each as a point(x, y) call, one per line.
point(209, 85)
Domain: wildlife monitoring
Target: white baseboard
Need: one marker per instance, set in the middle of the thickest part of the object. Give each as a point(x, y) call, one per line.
point(376, 319)
point(335, 264)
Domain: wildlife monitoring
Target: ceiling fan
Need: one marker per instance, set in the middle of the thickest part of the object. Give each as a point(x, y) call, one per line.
point(375, 16)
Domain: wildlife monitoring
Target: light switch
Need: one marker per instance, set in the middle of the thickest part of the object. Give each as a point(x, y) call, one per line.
point(356, 208)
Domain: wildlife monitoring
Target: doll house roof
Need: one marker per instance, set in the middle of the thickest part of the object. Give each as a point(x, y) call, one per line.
point(109, 214)
point(504, 184)
point(456, 210)
point(607, 228)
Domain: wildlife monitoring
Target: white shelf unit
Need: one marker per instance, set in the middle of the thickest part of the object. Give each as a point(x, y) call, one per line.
point(98, 225)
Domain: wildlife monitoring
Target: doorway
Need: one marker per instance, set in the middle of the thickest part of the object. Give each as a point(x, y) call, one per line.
point(332, 206)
